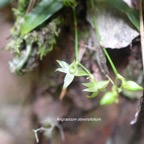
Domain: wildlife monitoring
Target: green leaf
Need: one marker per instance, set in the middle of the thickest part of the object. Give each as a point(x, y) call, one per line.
point(134, 18)
point(101, 85)
point(63, 64)
point(109, 98)
point(68, 80)
point(95, 86)
point(91, 89)
point(62, 70)
point(93, 95)
point(131, 13)
point(131, 86)
point(70, 3)
point(90, 84)
point(64, 67)
point(120, 5)
point(43, 11)
point(80, 73)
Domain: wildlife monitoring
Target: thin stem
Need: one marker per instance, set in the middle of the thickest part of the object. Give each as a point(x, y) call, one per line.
point(95, 23)
point(92, 3)
point(111, 62)
point(110, 79)
point(141, 30)
point(76, 33)
point(96, 28)
point(100, 42)
point(86, 70)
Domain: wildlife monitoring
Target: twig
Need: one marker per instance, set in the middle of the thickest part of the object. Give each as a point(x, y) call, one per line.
point(30, 6)
point(76, 33)
point(48, 131)
point(141, 30)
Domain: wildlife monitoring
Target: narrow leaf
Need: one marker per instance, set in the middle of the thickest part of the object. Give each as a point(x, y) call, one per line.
point(102, 85)
point(70, 3)
point(134, 18)
point(91, 89)
point(131, 13)
point(43, 11)
point(62, 70)
point(67, 80)
point(81, 73)
point(90, 84)
point(63, 64)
